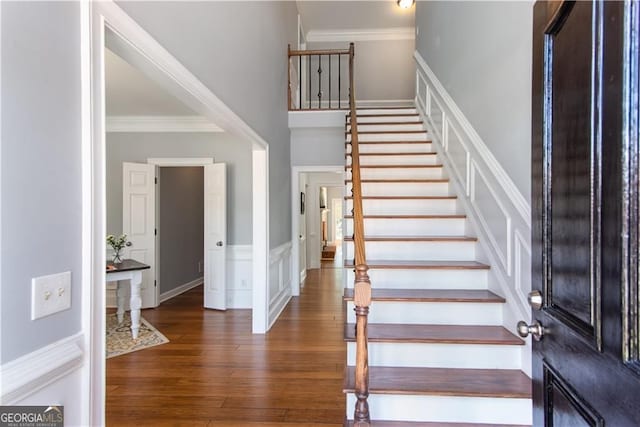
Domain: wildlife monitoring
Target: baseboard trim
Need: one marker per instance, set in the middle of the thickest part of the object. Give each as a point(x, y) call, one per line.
point(181, 289)
point(34, 371)
point(278, 304)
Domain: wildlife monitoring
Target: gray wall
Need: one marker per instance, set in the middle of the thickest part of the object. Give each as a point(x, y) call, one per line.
point(41, 195)
point(138, 147)
point(481, 53)
point(238, 50)
point(317, 146)
point(384, 70)
point(181, 230)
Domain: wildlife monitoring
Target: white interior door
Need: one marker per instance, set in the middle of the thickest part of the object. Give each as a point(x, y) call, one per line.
point(215, 236)
point(139, 223)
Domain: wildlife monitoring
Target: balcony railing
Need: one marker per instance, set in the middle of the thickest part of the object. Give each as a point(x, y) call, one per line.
point(319, 79)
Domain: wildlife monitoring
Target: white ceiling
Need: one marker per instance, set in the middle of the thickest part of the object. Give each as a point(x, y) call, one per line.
point(353, 15)
point(129, 92)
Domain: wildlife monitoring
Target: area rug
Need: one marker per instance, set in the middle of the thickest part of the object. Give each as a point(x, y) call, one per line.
point(119, 340)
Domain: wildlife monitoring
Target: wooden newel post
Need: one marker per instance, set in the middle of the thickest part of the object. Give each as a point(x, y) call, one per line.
point(362, 301)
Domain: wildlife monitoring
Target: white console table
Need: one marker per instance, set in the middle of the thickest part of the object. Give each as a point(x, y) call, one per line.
point(128, 271)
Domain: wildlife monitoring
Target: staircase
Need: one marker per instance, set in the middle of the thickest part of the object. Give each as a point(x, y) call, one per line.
point(438, 353)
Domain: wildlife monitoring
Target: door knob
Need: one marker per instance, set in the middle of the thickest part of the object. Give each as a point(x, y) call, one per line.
point(219, 243)
point(128, 244)
point(536, 330)
point(535, 299)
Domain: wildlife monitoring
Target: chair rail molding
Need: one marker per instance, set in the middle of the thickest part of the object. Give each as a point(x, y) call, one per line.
point(498, 213)
point(32, 372)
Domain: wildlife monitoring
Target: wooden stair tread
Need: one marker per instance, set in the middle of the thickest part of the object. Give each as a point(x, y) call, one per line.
point(501, 383)
point(404, 197)
point(374, 132)
point(422, 265)
point(461, 216)
point(402, 153)
point(430, 295)
point(403, 181)
point(415, 238)
point(440, 334)
point(386, 115)
point(391, 142)
point(376, 423)
point(395, 166)
point(417, 122)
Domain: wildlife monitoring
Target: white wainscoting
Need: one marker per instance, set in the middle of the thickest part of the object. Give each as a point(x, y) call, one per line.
point(498, 213)
point(279, 280)
point(239, 276)
point(239, 281)
point(23, 377)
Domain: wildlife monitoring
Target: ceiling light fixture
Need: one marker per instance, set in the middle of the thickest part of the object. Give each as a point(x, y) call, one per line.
point(405, 4)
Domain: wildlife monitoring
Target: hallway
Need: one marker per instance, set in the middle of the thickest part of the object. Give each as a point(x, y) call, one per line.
point(214, 372)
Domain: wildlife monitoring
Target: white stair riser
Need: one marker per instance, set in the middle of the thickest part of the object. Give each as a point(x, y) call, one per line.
point(432, 250)
point(413, 159)
point(365, 127)
point(427, 355)
point(423, 279)
point(403, 188)
point(390, 137)
point(386, 119)
point(405, 227)
point(406, 206)
point(395, 147)
point(400, 173)
point(434, 313)
point(370, 111)
point(490, 410)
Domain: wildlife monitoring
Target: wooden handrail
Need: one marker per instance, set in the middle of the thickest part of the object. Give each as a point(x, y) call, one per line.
point(319, 52)
point(362, 285)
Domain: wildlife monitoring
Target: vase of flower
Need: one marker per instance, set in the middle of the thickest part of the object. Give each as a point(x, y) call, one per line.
point(117, 244)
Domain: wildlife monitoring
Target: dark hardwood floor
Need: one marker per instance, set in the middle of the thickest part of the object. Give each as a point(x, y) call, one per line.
point(214, 372)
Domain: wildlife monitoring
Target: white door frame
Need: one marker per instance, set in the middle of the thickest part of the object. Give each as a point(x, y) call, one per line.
point(171, 162)
point(295, 217)
point(153, 59)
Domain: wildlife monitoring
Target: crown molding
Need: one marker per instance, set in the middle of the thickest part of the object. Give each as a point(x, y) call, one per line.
point(160, 124)
point(365, 34)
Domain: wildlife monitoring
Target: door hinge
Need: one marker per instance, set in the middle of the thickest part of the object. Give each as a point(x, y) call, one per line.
point(155, 283)
point(155, 180)
point(155, 231)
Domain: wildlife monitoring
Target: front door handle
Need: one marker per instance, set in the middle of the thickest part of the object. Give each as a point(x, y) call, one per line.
point(536, 330)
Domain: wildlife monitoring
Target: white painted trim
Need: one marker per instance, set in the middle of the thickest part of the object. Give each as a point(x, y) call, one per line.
point(260, 212)
point(180, 289)
point(26, 375)
point(161, 124)
point(155, 60)
point(508, 186)
point(278, 257)
point(295, 220)
point(239, 252)
point(180, 161)
point(361, 35)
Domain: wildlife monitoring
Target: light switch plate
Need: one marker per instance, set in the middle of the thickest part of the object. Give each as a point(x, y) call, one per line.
point(50, 294)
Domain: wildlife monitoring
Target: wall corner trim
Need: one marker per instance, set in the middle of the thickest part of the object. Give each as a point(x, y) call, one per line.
point(521, 204)
point(32, 372)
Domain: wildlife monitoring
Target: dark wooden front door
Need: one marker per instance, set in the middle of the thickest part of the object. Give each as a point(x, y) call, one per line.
point(586, 367)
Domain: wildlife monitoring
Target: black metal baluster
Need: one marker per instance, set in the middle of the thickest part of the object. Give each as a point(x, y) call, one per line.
point(319, 82)
point(339, 74)
point(329, 82)
point(309, 77)
point(300, 82)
